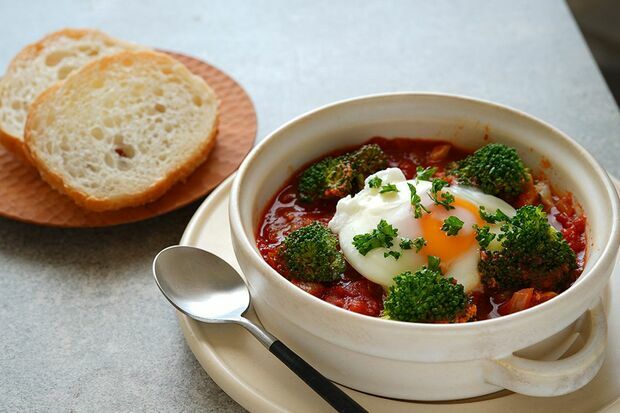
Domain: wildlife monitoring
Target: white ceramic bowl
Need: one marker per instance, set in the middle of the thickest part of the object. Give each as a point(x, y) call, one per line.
point(430, 361)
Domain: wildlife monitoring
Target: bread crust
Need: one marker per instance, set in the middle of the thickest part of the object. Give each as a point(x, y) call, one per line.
point(32, 50)
point(151, 193)
point(13, 143)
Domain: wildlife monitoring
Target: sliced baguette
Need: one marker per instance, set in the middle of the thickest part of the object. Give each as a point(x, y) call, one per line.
point(122, 130)
point(40, 65)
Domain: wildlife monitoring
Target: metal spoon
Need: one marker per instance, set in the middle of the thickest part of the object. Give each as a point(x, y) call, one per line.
point(204, 287)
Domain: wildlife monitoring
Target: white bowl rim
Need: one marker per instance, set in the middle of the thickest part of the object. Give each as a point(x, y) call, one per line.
point(584, 279)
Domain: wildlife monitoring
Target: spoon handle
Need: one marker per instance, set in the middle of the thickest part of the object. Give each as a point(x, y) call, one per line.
point(324, 388)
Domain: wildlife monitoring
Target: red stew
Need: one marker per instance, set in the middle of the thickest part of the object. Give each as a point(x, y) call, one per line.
point(286, 212)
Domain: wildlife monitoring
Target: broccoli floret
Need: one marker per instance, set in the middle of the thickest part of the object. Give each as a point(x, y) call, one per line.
point(532, 255)
point(329, 178)
point(425, 296)
point(340, 176)
point(311, 254)
point(496, 169)
point(367, 160)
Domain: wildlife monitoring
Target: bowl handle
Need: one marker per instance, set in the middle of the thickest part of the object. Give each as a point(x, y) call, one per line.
point(554, 378)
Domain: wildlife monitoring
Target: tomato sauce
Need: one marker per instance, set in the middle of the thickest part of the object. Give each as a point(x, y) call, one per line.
point(286, 213)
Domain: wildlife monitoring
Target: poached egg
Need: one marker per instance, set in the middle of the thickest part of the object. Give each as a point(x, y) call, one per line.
point(459, 253)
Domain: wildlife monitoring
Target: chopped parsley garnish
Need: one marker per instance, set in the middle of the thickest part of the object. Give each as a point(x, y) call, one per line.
point(394, 254)
point(406, 244)
point(499, 216)
point(441, 198)
point(388, 188)
point(425, 174)
point(419, 243)
point(452, 225)
point(375, 182)
point(380, 237)
point(484, 236)
point(433, 263)
point(416, 202)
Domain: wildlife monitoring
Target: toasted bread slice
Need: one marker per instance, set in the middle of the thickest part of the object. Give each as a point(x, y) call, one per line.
point(40, 65)
point(122, 130)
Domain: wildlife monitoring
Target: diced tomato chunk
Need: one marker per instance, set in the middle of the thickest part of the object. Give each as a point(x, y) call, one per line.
point(520, 300)
point(315, 288)
point(573, 231)
point(529, 196)
point(408, 168)
point(362, 287)
point(563, 219)
point(524, 299)
point(544, 296)
point(334, 299)
point(565, 205)
point(361, 296)
point(579, 223)
point(364, 306)
point(439, 153)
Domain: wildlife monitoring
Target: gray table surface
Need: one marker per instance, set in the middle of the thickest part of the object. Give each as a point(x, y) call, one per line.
point(83, 326)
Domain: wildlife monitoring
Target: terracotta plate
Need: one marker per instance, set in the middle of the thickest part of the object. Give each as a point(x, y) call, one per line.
point(25, 197)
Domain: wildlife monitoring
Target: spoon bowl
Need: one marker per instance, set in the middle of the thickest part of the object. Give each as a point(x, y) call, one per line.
point(204, 286)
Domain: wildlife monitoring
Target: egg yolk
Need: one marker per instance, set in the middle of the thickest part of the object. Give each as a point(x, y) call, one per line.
point(448, 247)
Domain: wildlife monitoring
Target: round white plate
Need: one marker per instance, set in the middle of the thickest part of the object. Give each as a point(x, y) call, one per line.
point(245, 370)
